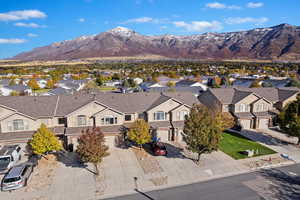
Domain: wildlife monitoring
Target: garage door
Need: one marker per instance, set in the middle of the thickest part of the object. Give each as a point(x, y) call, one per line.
point(110, 141)
point(245, 123)
point(263, 123)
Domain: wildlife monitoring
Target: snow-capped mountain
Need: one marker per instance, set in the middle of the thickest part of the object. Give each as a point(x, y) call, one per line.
point(277, 42)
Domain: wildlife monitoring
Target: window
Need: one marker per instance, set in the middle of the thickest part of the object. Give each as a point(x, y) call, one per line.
point(61, 120)
point(160, 115)
point(128, 118)
point(81, 120)
point(182, 114)
point(18, 125)
point(107, 120)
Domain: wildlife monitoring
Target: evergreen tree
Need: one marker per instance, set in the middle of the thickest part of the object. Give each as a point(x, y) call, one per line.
point(289, 119)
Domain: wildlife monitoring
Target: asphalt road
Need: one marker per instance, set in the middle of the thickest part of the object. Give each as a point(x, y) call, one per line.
point(278, 183)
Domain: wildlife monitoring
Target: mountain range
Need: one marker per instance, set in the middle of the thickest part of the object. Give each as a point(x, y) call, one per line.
point(281, 42)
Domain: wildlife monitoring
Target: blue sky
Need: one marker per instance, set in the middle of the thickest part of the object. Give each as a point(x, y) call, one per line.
point(26, 24)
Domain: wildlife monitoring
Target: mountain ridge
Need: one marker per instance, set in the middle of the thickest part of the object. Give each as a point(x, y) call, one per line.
point(277, 42)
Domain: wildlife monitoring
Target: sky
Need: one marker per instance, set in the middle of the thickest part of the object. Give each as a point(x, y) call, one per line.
point(26, 24)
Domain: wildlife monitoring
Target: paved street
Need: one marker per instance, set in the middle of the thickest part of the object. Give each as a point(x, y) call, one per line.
point(279, 183)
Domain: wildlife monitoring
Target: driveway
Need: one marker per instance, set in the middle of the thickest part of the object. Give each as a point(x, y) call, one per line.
point(278, 145)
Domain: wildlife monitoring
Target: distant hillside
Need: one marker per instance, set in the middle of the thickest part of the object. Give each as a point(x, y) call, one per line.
point(280, 42)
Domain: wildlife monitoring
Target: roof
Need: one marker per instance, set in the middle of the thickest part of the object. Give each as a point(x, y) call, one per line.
point(7, 149)
point(19, 88)
point(60, 91)
point(41, 106)
point(160, 124)
point(15, 171)
point(244, 115)
point(234, 95)
point(185, 83)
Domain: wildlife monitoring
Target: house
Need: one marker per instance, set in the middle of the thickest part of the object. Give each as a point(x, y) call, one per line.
point(113, 83)
point(252, 108)
point(138, 81)
point(164, 80)
point(145, 86)
point(191, 83)
point(68, 115)
point(59, 91)
point(20, 89)
point(72, 84)
point(195, 90)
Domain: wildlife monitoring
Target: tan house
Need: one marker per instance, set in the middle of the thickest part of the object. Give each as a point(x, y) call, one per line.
point(68, 115)
point(253, 108)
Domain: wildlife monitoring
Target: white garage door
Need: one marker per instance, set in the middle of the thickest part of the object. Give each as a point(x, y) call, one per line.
point(263, 123)
point(245, 123)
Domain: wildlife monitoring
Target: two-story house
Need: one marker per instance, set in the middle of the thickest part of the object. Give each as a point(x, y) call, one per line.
point(68, 115)
point(253, 108)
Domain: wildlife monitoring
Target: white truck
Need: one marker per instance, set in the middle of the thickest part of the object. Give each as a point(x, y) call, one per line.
point(9, 156)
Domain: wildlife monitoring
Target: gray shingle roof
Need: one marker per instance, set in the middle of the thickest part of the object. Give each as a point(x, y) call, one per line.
point(41, 106)
point(233, 95)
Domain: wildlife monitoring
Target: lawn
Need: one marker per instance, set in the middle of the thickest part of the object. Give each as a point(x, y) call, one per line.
point(41, 90)
point(233, 143)
point(107, 88)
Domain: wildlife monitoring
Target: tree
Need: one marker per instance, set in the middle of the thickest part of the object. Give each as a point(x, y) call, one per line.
point(170, 84)
point(255, 84)
point(201, 132)
point(99, 81)
point(139, 132)
point(50, 84)
point(267, 84)
point(91, 147)
point(224, 120)
point(12, 82)
point(14, 93)
point(289, 119)
point(293, 83)
point(44, 141)
point(33, 84)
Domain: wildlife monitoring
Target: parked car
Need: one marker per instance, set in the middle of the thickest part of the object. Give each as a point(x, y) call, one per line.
point(9, 156)
point(159, 149)
point(17, 177)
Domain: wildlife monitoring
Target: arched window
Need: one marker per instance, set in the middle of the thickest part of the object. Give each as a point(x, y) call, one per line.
point(159, 115)
point(81, 120)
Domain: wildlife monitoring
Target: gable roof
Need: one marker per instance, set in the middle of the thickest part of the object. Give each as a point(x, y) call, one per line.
point(233, 95)
point(42, 106)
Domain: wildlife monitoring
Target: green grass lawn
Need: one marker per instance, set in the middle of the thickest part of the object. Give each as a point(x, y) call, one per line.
point(107, 88)
point(233, 143)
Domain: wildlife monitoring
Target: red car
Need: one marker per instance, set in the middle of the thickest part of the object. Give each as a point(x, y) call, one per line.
point(159, 149)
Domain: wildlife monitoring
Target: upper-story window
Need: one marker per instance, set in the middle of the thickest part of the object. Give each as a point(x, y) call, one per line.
point(128, 118)
point(17, 125)
point(107, 120)
point(160, 115)
point(62, 120)
point(81, 120)
point(182, 114)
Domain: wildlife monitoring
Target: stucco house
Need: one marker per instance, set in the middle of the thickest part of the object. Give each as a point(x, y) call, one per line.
point(253, 108)
point(68, 115)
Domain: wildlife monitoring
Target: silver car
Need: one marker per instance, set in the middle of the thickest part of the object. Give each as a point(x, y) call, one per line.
point(17, 177)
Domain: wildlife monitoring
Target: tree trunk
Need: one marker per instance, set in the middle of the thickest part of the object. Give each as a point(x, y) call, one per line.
point(298, 143)
point(96, 169)
point(198, 159)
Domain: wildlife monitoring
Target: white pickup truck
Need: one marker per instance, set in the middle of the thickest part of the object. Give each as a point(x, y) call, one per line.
point(9, 156)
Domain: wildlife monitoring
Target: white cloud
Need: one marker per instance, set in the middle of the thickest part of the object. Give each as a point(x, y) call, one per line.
point(21, 15)
point(32, 35)
point(145, 20)
point(242, 20)
point(217, 5)
point(28, 25)
point(81, 20)
point(11, 41)
point(199, 26)
point(255, 4)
